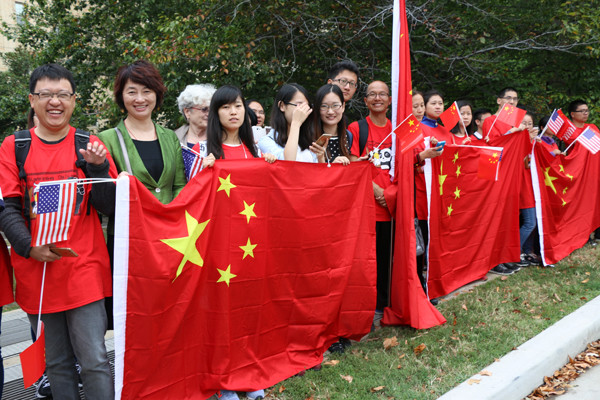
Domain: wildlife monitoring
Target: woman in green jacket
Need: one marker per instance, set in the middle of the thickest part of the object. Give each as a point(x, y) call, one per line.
point(139, 146)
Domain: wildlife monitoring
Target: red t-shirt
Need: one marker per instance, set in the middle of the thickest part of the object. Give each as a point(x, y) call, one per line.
point(376, 135)
point(6, 282)
point(71, 282)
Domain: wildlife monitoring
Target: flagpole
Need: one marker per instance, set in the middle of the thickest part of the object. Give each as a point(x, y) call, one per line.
point(546, 127)
point(494, 123)
point(39, 322)
point(565, 152)
point(393, 130)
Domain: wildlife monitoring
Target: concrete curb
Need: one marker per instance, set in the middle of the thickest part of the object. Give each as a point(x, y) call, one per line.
point(519, 372)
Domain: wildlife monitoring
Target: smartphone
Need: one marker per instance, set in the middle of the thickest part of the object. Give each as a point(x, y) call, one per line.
point(323, 138)
point(442, 143)
point(64, 251)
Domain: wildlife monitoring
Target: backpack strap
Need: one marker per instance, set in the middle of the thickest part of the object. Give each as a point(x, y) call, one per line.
point(22, 145)
point(82, 138)
point(363, 134)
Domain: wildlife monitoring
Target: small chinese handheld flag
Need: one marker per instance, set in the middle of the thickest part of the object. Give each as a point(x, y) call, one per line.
point(410, 133)
point(489, 162)
point(33, 360)
point(511, 115)
point(451, 116)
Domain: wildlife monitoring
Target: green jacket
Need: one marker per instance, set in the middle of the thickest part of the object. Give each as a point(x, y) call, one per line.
point(172, 179)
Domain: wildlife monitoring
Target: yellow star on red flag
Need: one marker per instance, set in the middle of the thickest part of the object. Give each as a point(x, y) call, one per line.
point(548, 179)
point(457, 193)
point(226, 275)
point(450, 209)
point(442, 178)
point(186, 245)
point(248, 211)
point(248, 249)
point(226, 185)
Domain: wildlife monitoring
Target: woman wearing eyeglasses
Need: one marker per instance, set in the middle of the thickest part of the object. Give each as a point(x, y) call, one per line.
point(329, 103)
point(193, 104)
point(292, 136)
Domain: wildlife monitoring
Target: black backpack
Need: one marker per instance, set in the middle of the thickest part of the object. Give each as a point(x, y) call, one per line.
point(363, 135)
point(22, 145)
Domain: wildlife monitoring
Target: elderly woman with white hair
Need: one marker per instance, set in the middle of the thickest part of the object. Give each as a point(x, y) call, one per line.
point(193, 103)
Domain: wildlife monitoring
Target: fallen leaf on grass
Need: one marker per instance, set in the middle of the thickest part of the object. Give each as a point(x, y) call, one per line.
point(377, 389)
point(485, 372)
point(347, 378)
point(454, 338)
point(464, 307)
point(583, 298)
point(557, 298)
point(399, 366)
point(331, 363)
point(390, 342)
point(281, 389)
point(585, 281)
point(401, 356)
point(472, 381)
point(503, 278)
point(419, 349)
point(310, 398)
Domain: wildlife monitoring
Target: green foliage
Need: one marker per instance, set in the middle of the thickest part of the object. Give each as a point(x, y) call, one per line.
point(547, 49)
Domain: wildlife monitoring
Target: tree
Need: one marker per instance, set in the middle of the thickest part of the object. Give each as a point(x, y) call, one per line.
point(547, 49)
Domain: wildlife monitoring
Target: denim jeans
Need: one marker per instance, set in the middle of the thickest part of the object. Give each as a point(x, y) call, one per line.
point(529, 222)
point(77, 333)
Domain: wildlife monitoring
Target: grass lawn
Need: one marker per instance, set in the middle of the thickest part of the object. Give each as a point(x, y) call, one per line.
point(483, 325)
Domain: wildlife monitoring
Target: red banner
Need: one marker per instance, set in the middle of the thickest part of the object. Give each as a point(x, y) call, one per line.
point(566, 193)
point(244, 280)
point(6, 275)
point(473, 222)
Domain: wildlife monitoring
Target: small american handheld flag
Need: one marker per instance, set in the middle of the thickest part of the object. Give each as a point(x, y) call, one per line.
point(55, 204)
point(192, 162)
point(590, 140)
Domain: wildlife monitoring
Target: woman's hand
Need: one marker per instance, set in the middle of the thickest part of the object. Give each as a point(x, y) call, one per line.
point(300, 114)
point(319, 150)
point(208, 161)
point(270, 158)
point(43, 253)
point(378, 193)
point(94, 154)
point(341, 160)
point(432, 152)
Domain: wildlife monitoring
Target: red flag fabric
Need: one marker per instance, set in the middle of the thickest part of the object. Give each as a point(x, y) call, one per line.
point(6, 275)
point(567, 132)
point(473, 222)
point(489, 163)
point(408, 303)
point(451, 116)
point(566, 190)
point(244, 280)
point(511, 115)
point(33, 360)
point(409, 133)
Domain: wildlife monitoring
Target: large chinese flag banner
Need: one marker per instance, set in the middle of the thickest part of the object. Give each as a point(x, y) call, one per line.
point(566, 193)
point(473, 222)
point(242, 281)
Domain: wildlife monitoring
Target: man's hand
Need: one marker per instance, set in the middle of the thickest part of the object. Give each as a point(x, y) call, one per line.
point(95, 153)
point(43, 254)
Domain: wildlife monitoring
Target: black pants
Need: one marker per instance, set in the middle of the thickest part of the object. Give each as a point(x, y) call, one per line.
point(383, 232)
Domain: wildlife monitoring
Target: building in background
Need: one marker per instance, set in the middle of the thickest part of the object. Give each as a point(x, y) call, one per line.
point(10, 12)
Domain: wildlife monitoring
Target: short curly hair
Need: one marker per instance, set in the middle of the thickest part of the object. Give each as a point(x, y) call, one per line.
point(141, 72)
point(195, 95)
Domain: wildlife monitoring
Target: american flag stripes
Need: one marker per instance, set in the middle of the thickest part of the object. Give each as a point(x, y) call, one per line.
point(590, 140)
point(555, 122)
point(55, 204)
point(192, 162)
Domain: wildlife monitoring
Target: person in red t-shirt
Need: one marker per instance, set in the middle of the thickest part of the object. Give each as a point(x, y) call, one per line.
point(75, 287)
point(579, 112)
point(493, 128)
point(379, 141)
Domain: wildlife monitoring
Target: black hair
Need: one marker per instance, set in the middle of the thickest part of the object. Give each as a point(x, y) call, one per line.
point(502, 92)
point(574, 105)
point(342, 66)
point(280, 124)
point(429, 94)
point(543, 122)
point(214, 132)
point(318, 123)
point(460, 104)
point(53, 72)
point(479, 112)
point(251, 114)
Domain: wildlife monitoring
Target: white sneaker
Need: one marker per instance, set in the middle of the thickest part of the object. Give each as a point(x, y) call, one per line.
point(227, 395)
point(256, 395)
